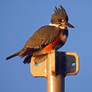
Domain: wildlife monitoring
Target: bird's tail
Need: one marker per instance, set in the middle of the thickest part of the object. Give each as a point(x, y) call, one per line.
point(13, 55)
point(27, 59)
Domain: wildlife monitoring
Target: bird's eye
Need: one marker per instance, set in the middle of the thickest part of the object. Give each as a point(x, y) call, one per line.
point(59, 20)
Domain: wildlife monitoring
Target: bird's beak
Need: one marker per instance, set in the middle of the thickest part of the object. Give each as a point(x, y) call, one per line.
point(69, 25)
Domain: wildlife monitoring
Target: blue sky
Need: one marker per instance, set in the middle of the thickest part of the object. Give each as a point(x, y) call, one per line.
point(19, 19)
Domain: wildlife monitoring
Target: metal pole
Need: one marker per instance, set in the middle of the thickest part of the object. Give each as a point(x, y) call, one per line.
point(55, 82)
point(54, 67)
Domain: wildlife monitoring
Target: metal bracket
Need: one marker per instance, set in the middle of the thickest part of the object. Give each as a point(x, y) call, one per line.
point(62, 62)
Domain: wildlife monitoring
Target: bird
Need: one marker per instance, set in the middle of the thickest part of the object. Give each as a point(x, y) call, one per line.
point(47, 38)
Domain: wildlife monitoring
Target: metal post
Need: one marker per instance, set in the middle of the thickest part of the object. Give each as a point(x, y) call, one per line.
point(54, 67)
point(55, 81)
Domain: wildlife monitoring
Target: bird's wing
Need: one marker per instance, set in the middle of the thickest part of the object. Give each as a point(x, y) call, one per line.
point(42, 37)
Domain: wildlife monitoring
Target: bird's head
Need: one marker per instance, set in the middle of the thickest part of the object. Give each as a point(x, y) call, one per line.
point(60, 18)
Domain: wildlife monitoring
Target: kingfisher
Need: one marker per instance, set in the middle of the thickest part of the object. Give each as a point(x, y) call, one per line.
point(47, 38)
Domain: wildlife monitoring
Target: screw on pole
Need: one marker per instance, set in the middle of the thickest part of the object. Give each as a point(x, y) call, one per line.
point(54, 67)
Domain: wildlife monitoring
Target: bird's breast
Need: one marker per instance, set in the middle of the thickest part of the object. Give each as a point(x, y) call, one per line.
point(59, 42)
point(63, 37)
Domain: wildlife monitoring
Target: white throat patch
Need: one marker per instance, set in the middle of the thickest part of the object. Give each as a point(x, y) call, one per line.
point(57, 25)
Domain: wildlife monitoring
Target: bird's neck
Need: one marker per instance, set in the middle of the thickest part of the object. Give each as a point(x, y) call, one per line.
point(57, 25)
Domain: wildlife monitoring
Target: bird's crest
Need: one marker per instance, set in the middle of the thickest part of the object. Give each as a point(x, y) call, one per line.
point(59, 12)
